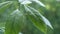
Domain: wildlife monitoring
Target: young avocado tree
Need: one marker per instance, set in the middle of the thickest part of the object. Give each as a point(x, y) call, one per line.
point(16, 14)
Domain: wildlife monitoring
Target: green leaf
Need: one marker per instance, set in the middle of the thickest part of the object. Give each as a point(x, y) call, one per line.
point(36, 20)
point(14, 23)
point(46, 21)
point(39, 2)
point(4, 6)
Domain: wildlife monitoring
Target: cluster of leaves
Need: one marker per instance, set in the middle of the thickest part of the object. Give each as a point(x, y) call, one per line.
point(17, 14)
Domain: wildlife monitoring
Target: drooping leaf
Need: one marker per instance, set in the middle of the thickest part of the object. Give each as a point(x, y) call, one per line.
point(46, 21)
point(36, 20)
